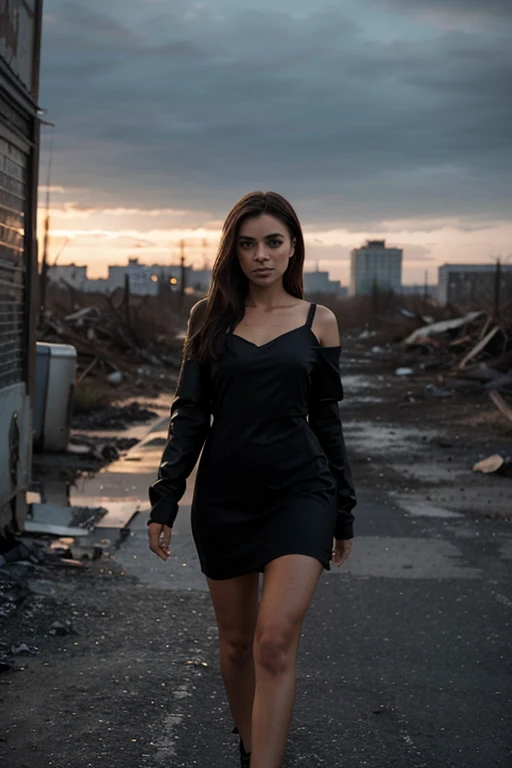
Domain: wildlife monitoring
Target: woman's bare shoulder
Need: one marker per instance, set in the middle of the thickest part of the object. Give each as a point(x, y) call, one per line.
point(325, 326)
point(199, 307)
point(197, 313)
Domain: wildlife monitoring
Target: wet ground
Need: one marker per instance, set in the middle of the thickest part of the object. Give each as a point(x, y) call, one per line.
point(405, 655)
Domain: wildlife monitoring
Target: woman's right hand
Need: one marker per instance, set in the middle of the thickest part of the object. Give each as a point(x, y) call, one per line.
point(160, 539)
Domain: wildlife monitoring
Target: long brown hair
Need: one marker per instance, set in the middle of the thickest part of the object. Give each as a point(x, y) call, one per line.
point(224, 306)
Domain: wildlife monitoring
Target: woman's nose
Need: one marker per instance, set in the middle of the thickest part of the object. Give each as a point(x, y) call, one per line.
point(261, 252)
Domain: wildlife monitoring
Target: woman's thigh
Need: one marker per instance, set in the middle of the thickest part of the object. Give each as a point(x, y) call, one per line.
point(235, 602)
point(289, 584)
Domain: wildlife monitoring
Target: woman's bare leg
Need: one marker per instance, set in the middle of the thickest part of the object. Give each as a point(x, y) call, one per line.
point(235, 602)
point(289, 585)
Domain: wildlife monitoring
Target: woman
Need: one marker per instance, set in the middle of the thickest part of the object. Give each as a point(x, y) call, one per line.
point(273, 485)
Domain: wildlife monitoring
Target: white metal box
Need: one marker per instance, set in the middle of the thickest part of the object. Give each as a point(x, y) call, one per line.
point(55, 380)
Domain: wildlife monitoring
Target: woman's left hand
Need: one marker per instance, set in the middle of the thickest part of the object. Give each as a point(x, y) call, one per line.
point(342, 549)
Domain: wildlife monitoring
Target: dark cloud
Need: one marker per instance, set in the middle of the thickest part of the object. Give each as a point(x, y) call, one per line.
point(171, 111)
point(480, 7)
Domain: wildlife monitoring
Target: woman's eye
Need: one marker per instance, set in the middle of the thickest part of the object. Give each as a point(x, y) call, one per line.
point(272, 243)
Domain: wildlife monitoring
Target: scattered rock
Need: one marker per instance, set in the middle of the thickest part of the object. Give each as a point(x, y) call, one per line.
point(23, 650)
point(61, 628)
point(112, 417)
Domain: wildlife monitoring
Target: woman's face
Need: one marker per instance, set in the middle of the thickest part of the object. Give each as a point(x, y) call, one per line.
point(264, 249)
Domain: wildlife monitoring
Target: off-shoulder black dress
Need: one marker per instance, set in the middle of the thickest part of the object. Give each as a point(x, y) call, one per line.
point(273, 478)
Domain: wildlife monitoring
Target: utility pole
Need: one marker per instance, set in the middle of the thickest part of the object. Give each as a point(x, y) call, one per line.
point(497, 281)
point(44, 262)
point(425, 293)
point(127, 301)
point(182, 272)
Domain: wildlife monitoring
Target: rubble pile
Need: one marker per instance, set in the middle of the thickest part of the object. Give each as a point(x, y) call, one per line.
point(473, 353)
point(114, 337)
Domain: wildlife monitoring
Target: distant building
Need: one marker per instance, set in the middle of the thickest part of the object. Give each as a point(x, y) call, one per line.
point(68, 274)
point(468, 284)
point(319, 282)
point(150, 279)
point(199, 279)
point(375, 265)
point(144, 279)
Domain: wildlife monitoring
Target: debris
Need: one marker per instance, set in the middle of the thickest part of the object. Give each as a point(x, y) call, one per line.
point(67, 561)
point(407, 313)
point(99, 448)
point(24, 551)
point(67, 547)
point(60, 520)
point(116, 377)
point(494, 464)
point(113, 417)
point(78, 318)
point(117, 334)
point(85, 552)
point(86, 371)
point(490, 464)
point(501, 405)
point(442, 327)
point(404, 372)
point(479, 347)
point(438, 391)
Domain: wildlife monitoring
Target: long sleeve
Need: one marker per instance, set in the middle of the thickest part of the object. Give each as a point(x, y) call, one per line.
point(325, 421)
point(188, 428)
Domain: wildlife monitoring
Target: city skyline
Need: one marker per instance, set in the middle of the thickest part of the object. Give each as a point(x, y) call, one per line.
point(375, 121)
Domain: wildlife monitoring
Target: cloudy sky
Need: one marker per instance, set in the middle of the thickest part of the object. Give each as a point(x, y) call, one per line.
point(375, 118)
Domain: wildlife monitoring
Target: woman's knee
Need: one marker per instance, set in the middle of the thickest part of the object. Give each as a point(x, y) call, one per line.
point(237, 650)
point(274, 649)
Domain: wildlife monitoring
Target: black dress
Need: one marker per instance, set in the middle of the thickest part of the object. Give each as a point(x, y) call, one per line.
point(273, 478)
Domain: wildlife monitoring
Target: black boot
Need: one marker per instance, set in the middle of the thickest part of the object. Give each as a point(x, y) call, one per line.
point(245, 757)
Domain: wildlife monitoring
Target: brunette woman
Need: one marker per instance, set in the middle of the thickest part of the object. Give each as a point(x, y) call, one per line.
point(273, 493)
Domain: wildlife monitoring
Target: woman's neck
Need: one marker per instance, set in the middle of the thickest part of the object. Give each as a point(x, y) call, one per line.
point(268, 297)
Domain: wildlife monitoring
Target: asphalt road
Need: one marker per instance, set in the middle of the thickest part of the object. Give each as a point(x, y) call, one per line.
point(404, 660)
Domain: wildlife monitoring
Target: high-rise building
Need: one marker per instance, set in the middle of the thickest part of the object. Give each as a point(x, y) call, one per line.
point(375, 266)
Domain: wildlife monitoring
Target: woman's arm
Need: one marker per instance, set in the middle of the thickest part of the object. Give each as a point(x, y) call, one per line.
point(325, 420)
point(188, 428)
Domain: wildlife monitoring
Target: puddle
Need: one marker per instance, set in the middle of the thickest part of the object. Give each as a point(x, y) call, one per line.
point(369, 436)
point(66, 500)
point(352, 382)
point(430, 472)
point(418, 508)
